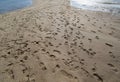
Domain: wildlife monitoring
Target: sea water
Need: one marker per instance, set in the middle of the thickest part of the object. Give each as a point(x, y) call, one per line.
point(10, 5)
point(112, 6)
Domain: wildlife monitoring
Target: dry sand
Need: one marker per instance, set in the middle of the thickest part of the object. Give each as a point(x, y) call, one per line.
point(54, 42)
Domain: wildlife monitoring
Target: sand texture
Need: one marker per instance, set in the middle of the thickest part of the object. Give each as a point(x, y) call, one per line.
point(54, 42)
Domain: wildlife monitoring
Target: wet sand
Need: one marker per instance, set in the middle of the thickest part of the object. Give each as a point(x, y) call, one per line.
point(54, 42)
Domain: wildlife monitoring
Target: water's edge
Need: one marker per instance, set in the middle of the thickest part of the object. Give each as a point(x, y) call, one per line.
point(99, 5)
point(13, 5)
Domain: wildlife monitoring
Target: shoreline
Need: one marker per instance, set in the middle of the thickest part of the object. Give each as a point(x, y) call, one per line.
point(35, 4)
point(55, 42)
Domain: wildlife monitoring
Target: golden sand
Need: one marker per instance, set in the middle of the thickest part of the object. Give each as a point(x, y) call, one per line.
point(54, 42)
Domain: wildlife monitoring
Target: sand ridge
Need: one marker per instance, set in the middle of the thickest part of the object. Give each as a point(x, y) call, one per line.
point(58, 43)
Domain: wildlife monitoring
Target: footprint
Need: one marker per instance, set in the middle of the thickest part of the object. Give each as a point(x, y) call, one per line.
point(85, 71)
point(25, 69)
point(41, 64)
point(44, 68)
point(93, 69)
point(111, 65)
point(50, 44)
point(10, 64)
point(62, 76)
point(111, 54)
point(110, 45)
point(52, 56)
point(25, 57)
point(96, 37)
point(30, 78)
point(4, 56)
point(93, 31)
point(57, 66)
point(57, 51)
point(90, 40)
point(66, 74)
point(43, 50)
point(98, 77)
point(10, 73)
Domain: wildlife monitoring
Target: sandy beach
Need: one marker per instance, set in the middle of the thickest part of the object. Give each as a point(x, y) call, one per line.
point(52, 41)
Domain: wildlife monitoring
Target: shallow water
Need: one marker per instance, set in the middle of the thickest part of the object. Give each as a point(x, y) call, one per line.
point(10, 5)
point(112, 6)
